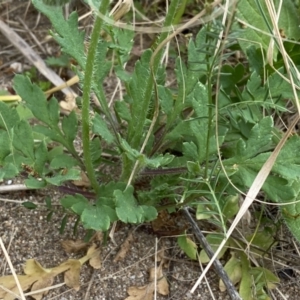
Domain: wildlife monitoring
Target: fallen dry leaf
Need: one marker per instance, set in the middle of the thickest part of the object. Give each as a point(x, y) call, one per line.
point(92, 252)
point(74, 246)
point(167, 224)
point(160, 255)
point(147, 292)
point(141, 293)
point(162, 283)
point(38, 277)
point(95, 260)
point(124, 248)
point(97, 237)
point(72, 276)
point(9, 283)
point(40, 284)
point(83, 182)
point(68, 105)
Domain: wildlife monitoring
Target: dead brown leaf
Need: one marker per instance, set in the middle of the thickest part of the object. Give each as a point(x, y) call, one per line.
point(146, 292)
point(9, 283)
point(162, 283)
point(68, 105)
point(97, 237)
point(124, 248)
point(141, 293)
point(38, 277)
point(83, 182)
point(167, 224)
point(95, 260)
point(160, 255)
point(72, 276)
point(74, 246)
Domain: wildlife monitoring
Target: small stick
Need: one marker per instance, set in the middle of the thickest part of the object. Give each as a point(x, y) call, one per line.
point(12, 271)
point(234, 295)
point(13, 188)
point(33, 57)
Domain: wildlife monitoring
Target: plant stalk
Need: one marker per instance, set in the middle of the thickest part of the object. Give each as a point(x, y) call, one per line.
point(87, 84)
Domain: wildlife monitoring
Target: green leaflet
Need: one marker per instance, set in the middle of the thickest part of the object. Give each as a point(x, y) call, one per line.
point(291, 215)
point(69, 127)
point(100, 128)
point(154, 162)
point(35, 99)
point(8, 117)
point(275, 88)
point(202, 128)
point(102, 65)
point(96, 151)
point(189, 247)
point(53, 111)
point(63, 161)
point(230, 76)
point(8, 170)
point(127, 209)
point(260, 136)
point(123, 42)
point(5, 145)
point(247, 162)
point(50, 133)
point(41, 157)
point(62, 61)
point(23, 140)
point(233, 269)
point(255, 13)
point(34, 183)
point(67, 33)
point(214, 241)
point(98, 217)
point(137, 88)
point(200, 51)
point(77, 203)
point(71, 174)
point(122, 110)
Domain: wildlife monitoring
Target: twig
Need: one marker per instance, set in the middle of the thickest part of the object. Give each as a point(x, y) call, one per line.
point(155, 266)
point(33, 57)
point(32, 35)
point(87, 294)
point(12, 271)
point(46, 289)
point(3, 266)
point(218, 266)
point(13, 188)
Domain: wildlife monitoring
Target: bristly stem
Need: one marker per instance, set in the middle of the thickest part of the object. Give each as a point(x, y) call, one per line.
point(87, 84)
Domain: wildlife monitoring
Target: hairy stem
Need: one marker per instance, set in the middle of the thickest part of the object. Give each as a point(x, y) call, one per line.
point(87, 84)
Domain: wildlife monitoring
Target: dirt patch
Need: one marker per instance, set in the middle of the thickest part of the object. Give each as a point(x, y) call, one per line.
point(27, 234)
